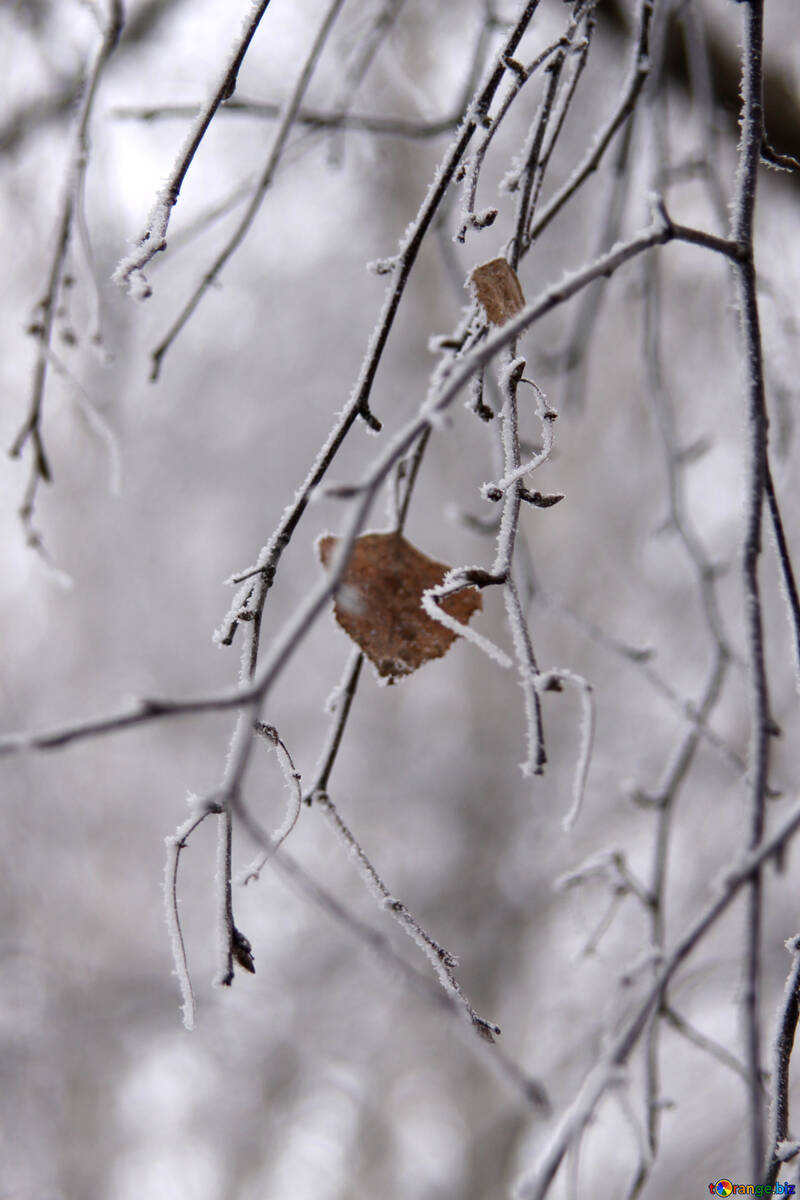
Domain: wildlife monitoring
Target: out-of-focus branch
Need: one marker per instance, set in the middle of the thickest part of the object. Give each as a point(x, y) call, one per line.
point(313, 118)
point(60, 103)
point(639, 69)
point(127, 268)
point(607, 1072)
point(42, 326)
point(781, 99)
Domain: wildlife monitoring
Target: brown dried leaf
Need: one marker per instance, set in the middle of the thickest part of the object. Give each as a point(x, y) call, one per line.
point(379, 602)
point(498, 289)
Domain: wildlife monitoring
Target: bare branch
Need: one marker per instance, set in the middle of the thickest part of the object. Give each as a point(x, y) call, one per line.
point(127, 268)
point(130, 272)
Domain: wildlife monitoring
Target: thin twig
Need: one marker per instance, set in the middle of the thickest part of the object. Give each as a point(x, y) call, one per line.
point(707, 1044)
point(787, 570)
point(358, 405)
point(526, 1085)
point(287, 640)
point(291, 778)
point(743, 213)
point(537, 1184)
point(130, 272)
point(783, 1047)
point(442, 961)
point(314, 118)
point(175, 845)
point(282, 133)
point(638, 74)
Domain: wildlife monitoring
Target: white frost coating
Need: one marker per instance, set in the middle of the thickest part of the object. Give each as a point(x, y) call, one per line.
point(129, 273)
point(429, 598)
point(528, 674)
point(382, 266)
point(787, 1150)
point(332, 702)
point(174, 845)
point(411, 232)
point(442, 961)
point(587, 737)
point(546, 416)
point(221, 632)
point(368, 362)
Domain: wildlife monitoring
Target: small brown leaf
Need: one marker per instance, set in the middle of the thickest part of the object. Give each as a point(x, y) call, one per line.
point(498, 289)
point(379, 602)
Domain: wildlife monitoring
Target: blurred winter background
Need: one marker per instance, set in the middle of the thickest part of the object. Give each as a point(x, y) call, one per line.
point(326, 1075)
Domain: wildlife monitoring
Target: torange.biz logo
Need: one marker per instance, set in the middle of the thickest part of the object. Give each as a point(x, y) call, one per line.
point(724, 1187)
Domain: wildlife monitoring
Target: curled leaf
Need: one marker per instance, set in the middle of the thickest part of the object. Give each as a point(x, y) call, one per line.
point(498, 290)
point(379, 602)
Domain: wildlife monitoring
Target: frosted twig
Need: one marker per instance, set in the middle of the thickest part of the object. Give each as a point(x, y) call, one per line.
point(530, 679)
point(535, 156)
point(742, 229)
point(547, 418)
point(265, 182)
point(783, 1046)
point(294, 630)
point(358, 405)
point(344, 699)
point(787, 570)
point(551, 681)
point(454, 582)
point(142, 713)
point(406, 478)
point(526, 1085)
point(638, 74)
point(509, 379)
point(520, 77)
point(175, 844)
point(130, 271)
point(536, 1184)
point(442, 961)
point(611, 866)
point(295, 802)
point(580, 57)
